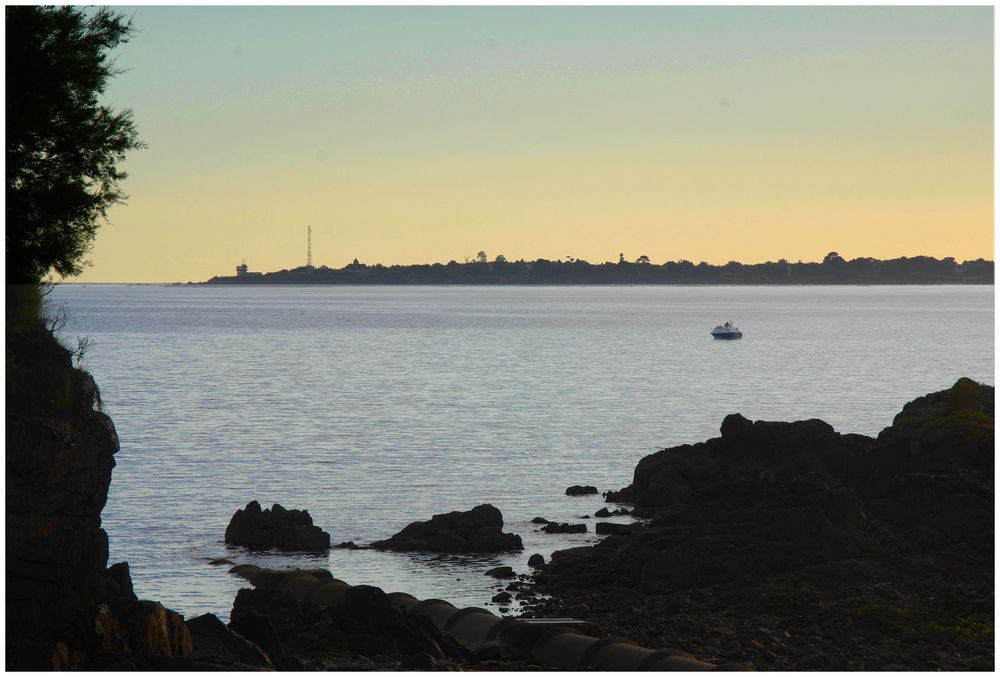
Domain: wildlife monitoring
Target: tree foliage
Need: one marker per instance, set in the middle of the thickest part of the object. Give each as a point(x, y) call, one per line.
point(63, 146)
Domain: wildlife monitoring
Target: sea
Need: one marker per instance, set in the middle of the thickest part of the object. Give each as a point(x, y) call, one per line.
point(373, 407)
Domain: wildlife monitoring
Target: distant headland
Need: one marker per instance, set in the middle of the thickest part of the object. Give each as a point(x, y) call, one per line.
point(833, 269)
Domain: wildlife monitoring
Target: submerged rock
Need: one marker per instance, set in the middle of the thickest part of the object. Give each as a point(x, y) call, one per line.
point(476, 530)
point(564, 528)
point(291, 530)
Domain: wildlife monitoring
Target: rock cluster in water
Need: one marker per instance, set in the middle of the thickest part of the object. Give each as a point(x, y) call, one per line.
point(291, 530)
point(476, 530)
point(830, 535)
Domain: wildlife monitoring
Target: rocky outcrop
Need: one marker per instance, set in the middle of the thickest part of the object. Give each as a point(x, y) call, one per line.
point(578, 490)
point(768, 497)
point(476, 530)
point(290, 530)
point(803, 523)
point(65, 608)
point(213, 642)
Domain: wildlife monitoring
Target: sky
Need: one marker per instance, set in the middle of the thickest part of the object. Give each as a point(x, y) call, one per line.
point(419, 135)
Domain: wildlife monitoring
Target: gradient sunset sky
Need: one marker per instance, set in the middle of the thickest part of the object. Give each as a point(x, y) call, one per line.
point(417, 135)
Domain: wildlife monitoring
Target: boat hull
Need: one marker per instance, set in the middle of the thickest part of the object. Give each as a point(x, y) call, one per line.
point(729, 336)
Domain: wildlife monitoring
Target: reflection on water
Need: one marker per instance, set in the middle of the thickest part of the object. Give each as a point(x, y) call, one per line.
point(375, 407)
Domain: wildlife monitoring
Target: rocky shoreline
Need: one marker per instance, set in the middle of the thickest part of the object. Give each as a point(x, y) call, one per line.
point(789, 546)
point(775, 545)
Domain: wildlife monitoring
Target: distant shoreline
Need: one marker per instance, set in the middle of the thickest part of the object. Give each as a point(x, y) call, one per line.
point(833, 270)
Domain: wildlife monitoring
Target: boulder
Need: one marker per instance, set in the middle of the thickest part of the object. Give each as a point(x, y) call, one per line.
point(564, 528)
point(364, 623)
point(539, 520)
point(278, 528)
point(624, 495)
point(577, 490)
point(612, 528)
point(733, 425)
point(212, 641)
point(501, 572)
point(603, 512)
point(536, 561)
point(476, 530)
point(258, 629)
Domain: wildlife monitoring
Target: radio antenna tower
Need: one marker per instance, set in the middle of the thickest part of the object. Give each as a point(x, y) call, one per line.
point(309, 247)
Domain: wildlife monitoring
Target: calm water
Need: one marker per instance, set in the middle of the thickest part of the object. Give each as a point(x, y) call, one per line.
point(374, 407)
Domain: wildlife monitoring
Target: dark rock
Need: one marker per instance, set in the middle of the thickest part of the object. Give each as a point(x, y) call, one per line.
point(476, 530)
point(502, 597)
point(539, 520)
point(367, 612)
point(501, 572)
point(258, 629)
point(731, 648)
point(418, 661)
point(833, 536)
point(612, 528)
point(153, 629)
point(625, 495)
point(564, 528)
point(603, 512)
point(733, 425)
point(577, 490)
point(65, 608)
point(212, 641)
point(536, 560)
point(290, 664)
point(217, 562)
point(347, 545)
point(290, 530)
point(817, 661)
point(42, 656)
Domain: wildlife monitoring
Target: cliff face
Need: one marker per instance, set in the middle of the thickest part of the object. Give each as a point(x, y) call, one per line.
point(65, 608)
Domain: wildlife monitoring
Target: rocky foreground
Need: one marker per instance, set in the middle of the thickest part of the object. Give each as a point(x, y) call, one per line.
point(790, 546)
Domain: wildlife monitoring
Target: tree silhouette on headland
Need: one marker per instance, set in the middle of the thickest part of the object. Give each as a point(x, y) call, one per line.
point(832, 270)
point(63, 147)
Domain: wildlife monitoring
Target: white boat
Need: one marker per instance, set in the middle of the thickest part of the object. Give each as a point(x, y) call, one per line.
point(727, 331)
